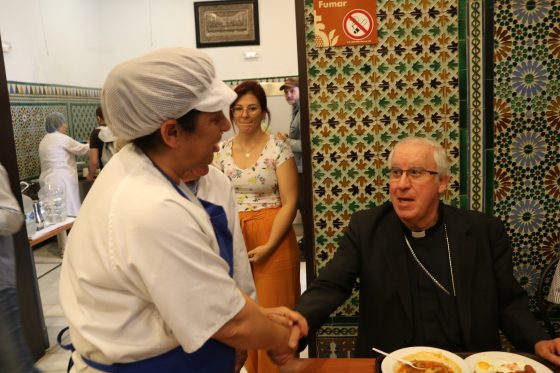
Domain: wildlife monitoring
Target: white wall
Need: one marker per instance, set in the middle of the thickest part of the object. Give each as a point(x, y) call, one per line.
point(77, 42)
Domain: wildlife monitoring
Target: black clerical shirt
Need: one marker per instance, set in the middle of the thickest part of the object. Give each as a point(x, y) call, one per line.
point(436, 320)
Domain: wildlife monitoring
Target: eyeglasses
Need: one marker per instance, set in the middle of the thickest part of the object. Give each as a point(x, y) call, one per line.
point(251, 110)
point(414, 173)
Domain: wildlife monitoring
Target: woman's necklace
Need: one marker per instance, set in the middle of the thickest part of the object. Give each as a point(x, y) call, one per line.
point(428, 272)
point(248, 152)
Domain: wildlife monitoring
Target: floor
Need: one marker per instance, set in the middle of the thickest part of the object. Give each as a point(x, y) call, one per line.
point(47, 264)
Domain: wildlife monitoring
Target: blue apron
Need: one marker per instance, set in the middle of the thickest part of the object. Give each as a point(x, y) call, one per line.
point(213, 356)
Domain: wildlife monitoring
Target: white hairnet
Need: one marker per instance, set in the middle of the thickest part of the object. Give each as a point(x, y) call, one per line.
point(142, 93)
point(54, 121)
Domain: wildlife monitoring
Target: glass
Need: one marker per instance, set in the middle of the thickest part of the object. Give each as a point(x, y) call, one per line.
point(414, 173)
point(251, 110)
point(53, 202)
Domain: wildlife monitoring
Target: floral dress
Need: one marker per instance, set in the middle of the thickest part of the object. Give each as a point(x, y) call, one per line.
point(256, 187)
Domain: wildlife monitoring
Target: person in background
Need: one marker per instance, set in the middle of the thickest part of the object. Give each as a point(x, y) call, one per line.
point(153, 288)
point(210, 184)
point(264, 175)
point(14, 354)
point(293, 138)
point(291, 94)
point(95, 146)
point(101, 145)
point(430, 274)
point(57, 153)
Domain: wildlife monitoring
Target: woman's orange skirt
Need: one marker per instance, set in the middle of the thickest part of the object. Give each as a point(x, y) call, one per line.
point(276, 279)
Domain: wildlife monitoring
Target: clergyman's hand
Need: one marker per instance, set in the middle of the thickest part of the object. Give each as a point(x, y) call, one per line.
point(281, 357)
point(287, 317)
point(549, 350)
point(299, 329)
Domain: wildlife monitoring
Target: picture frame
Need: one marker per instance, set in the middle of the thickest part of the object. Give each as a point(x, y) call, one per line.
point(226, 23)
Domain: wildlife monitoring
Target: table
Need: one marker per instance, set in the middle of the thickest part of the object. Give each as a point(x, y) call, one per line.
point(313, 365)
point(329, 366)
point(58, 230)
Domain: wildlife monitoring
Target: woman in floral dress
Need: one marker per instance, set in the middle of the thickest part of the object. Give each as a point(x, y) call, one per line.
point(264, 174)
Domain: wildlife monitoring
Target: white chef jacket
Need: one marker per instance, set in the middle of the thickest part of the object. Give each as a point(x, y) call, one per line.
point(142, 273)
point(216, 188)
point(57, 153)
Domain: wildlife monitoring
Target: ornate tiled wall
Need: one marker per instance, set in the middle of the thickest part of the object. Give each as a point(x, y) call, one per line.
point(432, 74)
point(527, 132)
point(362, 100)
point(31, 103)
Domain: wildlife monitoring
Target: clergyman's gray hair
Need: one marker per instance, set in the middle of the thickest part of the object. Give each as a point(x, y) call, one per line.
point(439, 153)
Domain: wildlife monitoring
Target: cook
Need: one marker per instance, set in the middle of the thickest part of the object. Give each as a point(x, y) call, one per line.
point(146, 284)
point(57, 153)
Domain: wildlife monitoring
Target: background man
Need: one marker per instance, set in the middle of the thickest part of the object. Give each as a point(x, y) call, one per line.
point(430, 274)
point(102, 144)
point(95, 146)
point(291, 93)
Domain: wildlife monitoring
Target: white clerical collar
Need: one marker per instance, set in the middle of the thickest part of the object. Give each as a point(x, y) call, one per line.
point(418, 234)
point(426, 231)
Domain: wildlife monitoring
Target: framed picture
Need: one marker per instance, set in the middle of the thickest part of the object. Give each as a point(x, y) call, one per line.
point(226, 23)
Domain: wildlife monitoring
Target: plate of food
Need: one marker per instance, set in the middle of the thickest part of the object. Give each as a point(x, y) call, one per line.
point(430, 359)
point(506, 362)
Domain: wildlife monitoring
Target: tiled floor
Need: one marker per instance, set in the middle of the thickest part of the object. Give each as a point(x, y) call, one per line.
point(47, 263)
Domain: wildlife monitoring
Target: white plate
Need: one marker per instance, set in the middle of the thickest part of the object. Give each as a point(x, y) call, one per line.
point(388, 364)
point(505, 357)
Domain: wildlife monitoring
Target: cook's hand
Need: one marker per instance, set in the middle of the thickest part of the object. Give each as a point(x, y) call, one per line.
point(549, 350)
point(287, 317)
point(89, 176)
point(281, 357)
point(281, 135)
point(299, 330)
point(259, 254)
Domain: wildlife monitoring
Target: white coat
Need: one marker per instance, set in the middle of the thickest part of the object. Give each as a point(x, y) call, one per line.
point(142, 272)
point(57, 153)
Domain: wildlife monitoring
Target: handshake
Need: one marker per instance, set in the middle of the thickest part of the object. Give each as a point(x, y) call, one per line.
point(298, 329)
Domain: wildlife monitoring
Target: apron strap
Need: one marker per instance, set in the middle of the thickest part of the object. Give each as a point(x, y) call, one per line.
point(212, 357)
point(68, 347)
point(219, 221)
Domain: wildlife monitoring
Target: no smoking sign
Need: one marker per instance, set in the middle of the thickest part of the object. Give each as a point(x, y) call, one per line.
point(344, 22)
point(357, 24)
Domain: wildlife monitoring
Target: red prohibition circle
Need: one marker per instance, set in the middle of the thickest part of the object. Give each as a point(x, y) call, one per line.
point(353, 24)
